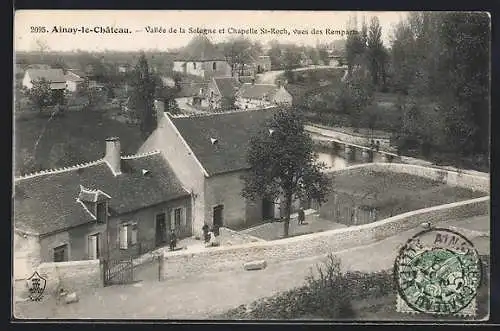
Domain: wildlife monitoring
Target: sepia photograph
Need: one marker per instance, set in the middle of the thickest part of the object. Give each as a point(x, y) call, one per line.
point(251, 165)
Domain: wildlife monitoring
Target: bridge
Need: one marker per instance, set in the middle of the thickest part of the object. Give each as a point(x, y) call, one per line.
point(332, 141)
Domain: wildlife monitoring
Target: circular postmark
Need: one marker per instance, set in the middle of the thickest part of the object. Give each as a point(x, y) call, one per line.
point(438, 271)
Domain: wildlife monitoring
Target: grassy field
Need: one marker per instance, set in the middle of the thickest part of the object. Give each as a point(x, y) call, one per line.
point(70, 139)
point(390, 193)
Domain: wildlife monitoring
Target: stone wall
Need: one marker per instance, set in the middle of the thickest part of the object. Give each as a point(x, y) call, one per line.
point(72, 276)
point(26, 254)
point(351, 138)
point(452, 178)
point(179, 264)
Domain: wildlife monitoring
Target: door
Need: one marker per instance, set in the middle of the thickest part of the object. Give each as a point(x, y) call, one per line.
point(94, 246)
point(161, 229)
point(218, 220)
point(267, 209)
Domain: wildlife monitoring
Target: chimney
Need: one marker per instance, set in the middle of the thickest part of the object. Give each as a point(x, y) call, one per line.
point(112, 156)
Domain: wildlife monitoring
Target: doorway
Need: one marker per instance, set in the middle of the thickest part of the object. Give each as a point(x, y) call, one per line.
point(267, 209)
point(161, 229)
point(94, 249)
point(218, 218)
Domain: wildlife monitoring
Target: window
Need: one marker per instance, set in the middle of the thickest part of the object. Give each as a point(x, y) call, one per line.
point(94, 246)
point(194, 65)
point(102, 212)
point(128, 235)
point(61, 253)
point(123, 236)
point(214, 66)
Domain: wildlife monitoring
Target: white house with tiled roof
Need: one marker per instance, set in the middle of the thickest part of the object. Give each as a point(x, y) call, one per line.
point(208, 153)
point(118, 206)
point(251, 96)
point(201, 58)
point(55, 77)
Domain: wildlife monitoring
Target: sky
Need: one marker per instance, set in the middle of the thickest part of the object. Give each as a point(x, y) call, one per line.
point(32, 27)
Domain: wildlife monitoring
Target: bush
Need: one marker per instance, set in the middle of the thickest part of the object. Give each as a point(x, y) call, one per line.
point(328, 294)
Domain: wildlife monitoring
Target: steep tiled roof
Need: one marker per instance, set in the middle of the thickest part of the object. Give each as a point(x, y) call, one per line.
point(73, 77)
point(232, 131)
point(200, 49)
point(228, 86)
point(48, 202)
point(257, 91)
point(51, 75)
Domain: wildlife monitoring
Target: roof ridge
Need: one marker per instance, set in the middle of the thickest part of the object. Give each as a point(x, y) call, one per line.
point(207, 114)
point(136, 156)
point(58, 170)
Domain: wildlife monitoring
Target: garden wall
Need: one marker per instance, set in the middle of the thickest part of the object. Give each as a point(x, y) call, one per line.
point(352, 138)
point(72, 276)
point(179, 264)
point(452, 178)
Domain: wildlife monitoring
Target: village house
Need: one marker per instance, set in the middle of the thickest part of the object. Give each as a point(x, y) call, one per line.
point(74, 80)
point(263, 64)
point(251, 96)
point(220, 90)
point(193, 94)
point(116, 207)
point(208, 153)
point(201, 58)
point(55, 77)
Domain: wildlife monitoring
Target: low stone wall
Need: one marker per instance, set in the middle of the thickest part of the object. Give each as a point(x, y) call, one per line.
point(72, 276)
point(352, 138)
point(452, 178)
point(180, 264)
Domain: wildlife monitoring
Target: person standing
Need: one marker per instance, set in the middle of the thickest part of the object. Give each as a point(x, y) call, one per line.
point(301, 216)
point(173, 240)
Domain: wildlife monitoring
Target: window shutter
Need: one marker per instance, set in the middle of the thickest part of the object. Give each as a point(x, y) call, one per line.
point(133, 235)
point(123, 236)
point(172, 219)
point(183, 217)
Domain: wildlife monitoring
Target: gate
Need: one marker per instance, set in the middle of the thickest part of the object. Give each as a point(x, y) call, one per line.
point(118, 271)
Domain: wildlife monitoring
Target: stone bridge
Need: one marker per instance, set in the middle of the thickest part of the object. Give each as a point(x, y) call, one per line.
point(350, 151)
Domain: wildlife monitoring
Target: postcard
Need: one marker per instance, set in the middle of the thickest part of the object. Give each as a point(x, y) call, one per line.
point(251, 165)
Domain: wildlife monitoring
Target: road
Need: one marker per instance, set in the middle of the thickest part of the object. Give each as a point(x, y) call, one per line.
point(203, 296)
point(270, 77)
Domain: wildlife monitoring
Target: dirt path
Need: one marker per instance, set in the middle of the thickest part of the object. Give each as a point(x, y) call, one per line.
point(199, 297)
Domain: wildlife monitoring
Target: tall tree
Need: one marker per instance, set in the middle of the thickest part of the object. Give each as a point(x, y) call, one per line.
point(284, 165)
point(142, 99)
point(375, 52)
point(240, 52)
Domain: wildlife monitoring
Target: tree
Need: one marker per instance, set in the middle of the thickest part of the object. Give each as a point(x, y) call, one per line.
point(284, 165)
point(241, 51)
point(142, 99)
point(323, 55)
point(375, 52)
point(41, 95)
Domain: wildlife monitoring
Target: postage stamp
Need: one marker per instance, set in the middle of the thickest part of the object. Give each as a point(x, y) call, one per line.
point(438, 272)
point(213, 158)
